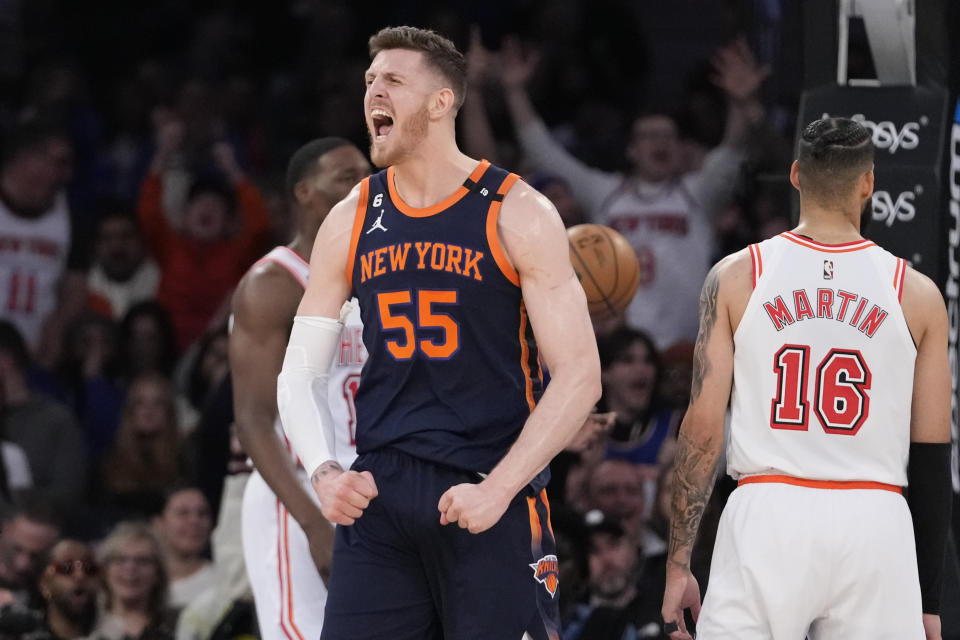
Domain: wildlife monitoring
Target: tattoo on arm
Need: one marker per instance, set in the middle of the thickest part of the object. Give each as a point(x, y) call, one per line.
point(325, 469)
point(695, 471)
point(708, 317)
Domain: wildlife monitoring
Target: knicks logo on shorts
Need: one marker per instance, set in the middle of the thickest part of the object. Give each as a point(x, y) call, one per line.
point(546, 572)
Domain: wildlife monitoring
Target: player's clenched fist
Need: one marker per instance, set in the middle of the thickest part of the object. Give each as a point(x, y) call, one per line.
point(343, 494)
point(475, 507)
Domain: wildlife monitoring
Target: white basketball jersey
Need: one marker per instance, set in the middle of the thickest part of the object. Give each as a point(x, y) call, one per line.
point(345, 372)
point(33, 257)
point(673, 240)
point(823, 365)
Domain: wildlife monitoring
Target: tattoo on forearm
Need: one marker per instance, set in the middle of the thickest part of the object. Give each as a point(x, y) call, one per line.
point(708, 317)
point(694, 473)
point(325, 469)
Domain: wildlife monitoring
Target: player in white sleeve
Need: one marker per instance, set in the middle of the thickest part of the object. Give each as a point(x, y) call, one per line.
point(833, 355)
point(287, 542)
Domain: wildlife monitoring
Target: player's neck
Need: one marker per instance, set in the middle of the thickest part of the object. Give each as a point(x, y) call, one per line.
point(432, 172)
point(828, 226)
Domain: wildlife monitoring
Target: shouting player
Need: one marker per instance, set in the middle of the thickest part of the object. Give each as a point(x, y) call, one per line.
point(836, 355)
point(463, 277)
point(286, 540)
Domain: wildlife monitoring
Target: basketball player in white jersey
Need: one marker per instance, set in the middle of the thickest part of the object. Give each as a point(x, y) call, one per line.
point(833, 355)
point(287, 542)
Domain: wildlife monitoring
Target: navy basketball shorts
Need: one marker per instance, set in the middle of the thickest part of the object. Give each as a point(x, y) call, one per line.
point(398, 574)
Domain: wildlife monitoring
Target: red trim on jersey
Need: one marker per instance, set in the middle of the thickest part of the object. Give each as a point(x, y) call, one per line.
point(286, 548)
point(283, 627)
point(446, 203)
point(820, 484)
point(493, 237)
point(358, 219)
point(827, 248)
point(755, 262)
point(899, 277)
point(296, 276)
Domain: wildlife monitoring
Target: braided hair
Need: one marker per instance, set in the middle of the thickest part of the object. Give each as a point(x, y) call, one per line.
point(833, 153)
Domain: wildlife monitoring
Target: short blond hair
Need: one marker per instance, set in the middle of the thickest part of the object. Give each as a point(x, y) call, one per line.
point(438, 52)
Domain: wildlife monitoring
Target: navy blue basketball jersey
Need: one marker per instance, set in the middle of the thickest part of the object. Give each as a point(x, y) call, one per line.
point(453, 370)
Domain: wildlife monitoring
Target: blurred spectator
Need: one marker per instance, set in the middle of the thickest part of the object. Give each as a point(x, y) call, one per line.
point(147, 340)
point(616, 489)
point(42, 285)
point(26, 537)
point(45, 429)
point(88, 375)
point(135, 587)
point(663, 212)
point(616, 609)
point(145, 460)
point(200, 259)
point(69, 589)
point(184, 527)
point(121, 273)
point(226, 609)
point(210, 367)
point(631, 375)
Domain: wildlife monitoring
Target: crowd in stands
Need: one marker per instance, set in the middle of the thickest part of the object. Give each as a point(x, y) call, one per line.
point(141, 175)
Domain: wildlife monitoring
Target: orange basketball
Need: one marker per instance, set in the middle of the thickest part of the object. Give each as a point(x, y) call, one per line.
point(607, 267)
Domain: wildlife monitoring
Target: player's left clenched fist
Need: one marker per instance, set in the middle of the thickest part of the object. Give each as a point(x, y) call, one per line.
point(475, 507)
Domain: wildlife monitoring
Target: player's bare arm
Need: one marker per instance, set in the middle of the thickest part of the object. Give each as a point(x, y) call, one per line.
point(700, 440)
point(928, 469)
point(536, 243)
point(264, 303)
point(306, 416)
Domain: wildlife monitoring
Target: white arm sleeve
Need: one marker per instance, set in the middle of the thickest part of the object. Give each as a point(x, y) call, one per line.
point(302, 389)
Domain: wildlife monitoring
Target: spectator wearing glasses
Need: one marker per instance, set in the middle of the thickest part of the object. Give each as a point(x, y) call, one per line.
point(135, 586)
point(69, 588)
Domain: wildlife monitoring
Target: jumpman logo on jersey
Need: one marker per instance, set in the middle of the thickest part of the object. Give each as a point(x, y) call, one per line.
point(377, 224)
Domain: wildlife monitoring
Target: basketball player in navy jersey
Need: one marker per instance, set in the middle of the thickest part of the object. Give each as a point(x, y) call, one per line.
point(463, 277)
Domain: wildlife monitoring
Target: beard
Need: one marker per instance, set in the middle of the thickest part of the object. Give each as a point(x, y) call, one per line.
point(408, 137)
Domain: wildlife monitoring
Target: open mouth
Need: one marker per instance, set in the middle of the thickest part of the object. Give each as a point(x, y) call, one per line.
point(382, 124)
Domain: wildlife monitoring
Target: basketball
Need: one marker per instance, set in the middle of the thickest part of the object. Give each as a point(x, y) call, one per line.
point(607, 268)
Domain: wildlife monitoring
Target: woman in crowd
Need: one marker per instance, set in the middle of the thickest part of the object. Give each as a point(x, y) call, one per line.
point(134, 587)
point(146, 457)
point(185, 525)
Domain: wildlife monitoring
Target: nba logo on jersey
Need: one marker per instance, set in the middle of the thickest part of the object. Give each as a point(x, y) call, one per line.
point(828, 269)
point(546, 572)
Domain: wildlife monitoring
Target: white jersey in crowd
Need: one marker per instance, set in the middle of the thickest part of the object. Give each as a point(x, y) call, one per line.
point(673, 239)
point(288, 592)
point(823, 365)
point(33, 258)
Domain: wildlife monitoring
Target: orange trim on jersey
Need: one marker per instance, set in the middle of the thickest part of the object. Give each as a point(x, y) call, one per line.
point(286, 548)
point(536, 532)
point(358, 219)
point(283, 627)
point(525, 358)
point(899, 277)
point(493, 237)
point(446, 203)
point(827, 248)
point(821, 484)
point(546, 503)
